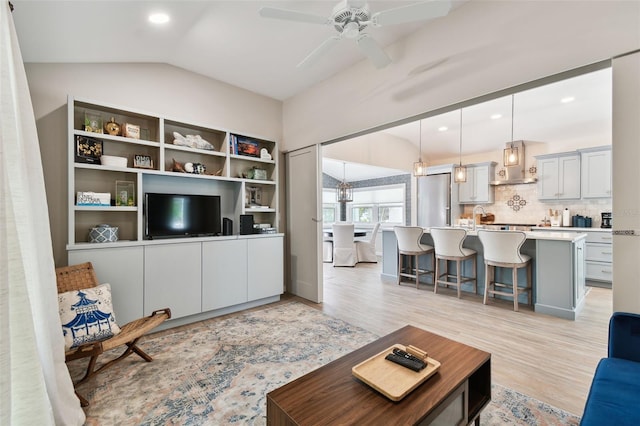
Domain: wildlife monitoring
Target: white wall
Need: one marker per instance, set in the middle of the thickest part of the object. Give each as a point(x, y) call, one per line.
point(626, 177)
point(486, 46)
point(159, 89)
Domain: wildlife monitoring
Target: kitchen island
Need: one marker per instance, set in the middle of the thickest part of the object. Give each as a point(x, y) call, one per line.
point(558, 268)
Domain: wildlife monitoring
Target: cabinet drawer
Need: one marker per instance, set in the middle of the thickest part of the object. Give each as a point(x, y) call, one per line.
point(598, 271)
point(599, 252)
point(599, 237)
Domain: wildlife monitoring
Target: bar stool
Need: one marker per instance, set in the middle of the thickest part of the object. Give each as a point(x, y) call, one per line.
point(408, 238)
point(448, 247)
point(502, 249)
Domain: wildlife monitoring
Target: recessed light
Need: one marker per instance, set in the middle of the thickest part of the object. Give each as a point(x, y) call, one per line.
point(567, 99)
point(159, 18)
point(443, 128)
point(496, 116)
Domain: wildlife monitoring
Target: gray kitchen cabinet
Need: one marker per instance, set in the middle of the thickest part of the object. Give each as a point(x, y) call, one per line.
point(121, 267)
point(558, 176)
point(552, 295)
point(477, 190)
point(596, 172)
point(224, 273)
point(599, 258)
point(173, 278)
point(265, 275)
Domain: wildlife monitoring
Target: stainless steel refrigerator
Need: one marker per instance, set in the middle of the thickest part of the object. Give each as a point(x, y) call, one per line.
point(434, 200)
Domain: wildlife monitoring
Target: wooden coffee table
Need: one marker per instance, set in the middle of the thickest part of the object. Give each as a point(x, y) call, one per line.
point(331, 395)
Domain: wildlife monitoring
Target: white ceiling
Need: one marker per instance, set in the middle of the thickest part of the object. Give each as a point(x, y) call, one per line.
point(225, 40)
point(228, 41)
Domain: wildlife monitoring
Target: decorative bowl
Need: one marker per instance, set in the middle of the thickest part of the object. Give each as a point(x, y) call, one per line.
point(110, 160)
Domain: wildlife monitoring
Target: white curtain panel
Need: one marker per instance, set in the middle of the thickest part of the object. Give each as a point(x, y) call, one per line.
point(35, 387)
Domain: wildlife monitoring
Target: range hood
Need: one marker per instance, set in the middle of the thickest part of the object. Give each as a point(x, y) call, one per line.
point(515, 175)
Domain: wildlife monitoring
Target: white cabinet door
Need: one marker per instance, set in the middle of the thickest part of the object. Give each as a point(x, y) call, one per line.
point(224, 274)
point(173, 278)
point(569, 177)
point(596, 174)
point(466, 190)
point(122, 267)
point(266, 276)
point(476, 190)
point(559, 177)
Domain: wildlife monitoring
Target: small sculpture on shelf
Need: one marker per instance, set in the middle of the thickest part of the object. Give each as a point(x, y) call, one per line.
point(193, 168)
point(264, 154)
point(192, 141)
point(112, 127)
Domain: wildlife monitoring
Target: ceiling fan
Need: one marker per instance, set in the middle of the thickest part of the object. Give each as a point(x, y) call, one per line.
point(351, 17)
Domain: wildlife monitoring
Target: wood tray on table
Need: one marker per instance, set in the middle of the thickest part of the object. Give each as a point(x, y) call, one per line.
point(390, 379)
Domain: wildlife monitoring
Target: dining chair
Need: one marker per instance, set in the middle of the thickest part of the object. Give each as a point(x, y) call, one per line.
point(502, 249)
point(448, 247)
point(409, 244)
point(344, 246)
point(367, 248)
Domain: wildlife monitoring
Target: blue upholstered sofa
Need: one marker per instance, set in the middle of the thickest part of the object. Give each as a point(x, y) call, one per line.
point(614, 397)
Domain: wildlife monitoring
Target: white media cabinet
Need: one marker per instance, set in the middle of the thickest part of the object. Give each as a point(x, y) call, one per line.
point(197, 277)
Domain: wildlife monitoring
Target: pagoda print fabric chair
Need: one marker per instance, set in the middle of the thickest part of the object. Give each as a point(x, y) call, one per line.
point(88, 322)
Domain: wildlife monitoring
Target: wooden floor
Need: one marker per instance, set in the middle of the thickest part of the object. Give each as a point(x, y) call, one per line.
point(548, 358)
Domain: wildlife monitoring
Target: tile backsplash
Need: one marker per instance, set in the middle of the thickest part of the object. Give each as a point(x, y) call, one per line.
point(520, 204)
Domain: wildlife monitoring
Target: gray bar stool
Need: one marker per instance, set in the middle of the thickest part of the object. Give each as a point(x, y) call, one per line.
point(448, 247)
point(502, 249)
point(408, 238)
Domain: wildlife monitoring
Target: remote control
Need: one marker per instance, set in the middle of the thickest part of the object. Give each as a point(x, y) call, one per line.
point(407, 355)
point(413, 365)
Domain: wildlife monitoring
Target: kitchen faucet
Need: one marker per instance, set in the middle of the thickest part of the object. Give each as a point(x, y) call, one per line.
point(476, 207)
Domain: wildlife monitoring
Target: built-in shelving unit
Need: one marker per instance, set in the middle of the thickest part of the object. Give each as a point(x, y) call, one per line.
point(227, 171)
point(196, 277)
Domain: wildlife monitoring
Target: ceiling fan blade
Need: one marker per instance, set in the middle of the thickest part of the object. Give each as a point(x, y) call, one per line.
point(318, 52)
point(413, 12)
point(292, 15)
point(372, 51)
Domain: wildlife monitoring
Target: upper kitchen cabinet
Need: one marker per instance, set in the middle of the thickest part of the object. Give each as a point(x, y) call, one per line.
point(559, 176)
point(596, 172)
point(477, 190)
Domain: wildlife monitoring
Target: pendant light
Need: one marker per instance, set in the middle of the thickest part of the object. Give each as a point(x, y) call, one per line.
point(460, 171)
point(511, 153)
point(420, 167)
point(344, 191)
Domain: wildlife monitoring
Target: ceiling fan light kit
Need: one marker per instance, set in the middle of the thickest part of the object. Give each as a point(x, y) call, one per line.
point(351, 17)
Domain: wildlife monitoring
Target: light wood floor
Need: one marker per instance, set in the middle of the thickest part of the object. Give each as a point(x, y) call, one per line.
point(548, 358)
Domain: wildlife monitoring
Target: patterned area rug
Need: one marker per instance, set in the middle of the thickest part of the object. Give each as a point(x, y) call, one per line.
point(219, 372)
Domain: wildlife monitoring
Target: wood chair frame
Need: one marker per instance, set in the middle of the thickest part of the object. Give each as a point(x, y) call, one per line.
point(78, 277)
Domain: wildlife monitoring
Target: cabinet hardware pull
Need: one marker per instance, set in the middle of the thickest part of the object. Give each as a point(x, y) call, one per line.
point(606, 238)
point(605, 271)
point(606, 252)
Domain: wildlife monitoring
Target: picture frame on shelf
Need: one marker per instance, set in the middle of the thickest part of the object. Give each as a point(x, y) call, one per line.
point(248, 148)
point(141, 161)
point(131, 131)
point(253, 196)
point(125, 193)
point(88, 150)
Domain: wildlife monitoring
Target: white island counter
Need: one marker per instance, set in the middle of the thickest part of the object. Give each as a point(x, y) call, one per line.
point(558, 268)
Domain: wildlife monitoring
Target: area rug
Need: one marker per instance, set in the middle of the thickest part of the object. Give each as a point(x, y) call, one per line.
point(219, 371)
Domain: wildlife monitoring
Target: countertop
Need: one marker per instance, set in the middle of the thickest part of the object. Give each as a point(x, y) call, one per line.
point(536, 235)
point(571, 229)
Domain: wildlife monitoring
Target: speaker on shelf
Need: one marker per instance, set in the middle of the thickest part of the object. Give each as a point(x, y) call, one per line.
point(246, 224)
point(227, 226)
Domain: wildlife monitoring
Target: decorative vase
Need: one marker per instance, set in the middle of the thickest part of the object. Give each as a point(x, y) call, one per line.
point(112, 127)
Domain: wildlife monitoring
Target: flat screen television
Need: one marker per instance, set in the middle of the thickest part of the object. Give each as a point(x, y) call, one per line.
point(181, 215)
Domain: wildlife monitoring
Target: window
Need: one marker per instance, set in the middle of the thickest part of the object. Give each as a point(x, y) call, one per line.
point(328, 214)
point(391, 214)
point(362, 214)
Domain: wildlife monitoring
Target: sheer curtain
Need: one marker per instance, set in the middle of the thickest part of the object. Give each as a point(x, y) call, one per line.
point(35, 387)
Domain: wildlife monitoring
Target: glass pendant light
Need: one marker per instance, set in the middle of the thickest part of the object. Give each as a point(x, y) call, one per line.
point(420, 167)
point(344, 191)
point(511, 153)
point(460, 171)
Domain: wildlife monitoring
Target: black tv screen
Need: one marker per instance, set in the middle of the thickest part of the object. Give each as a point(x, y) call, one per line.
point(181, 215)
